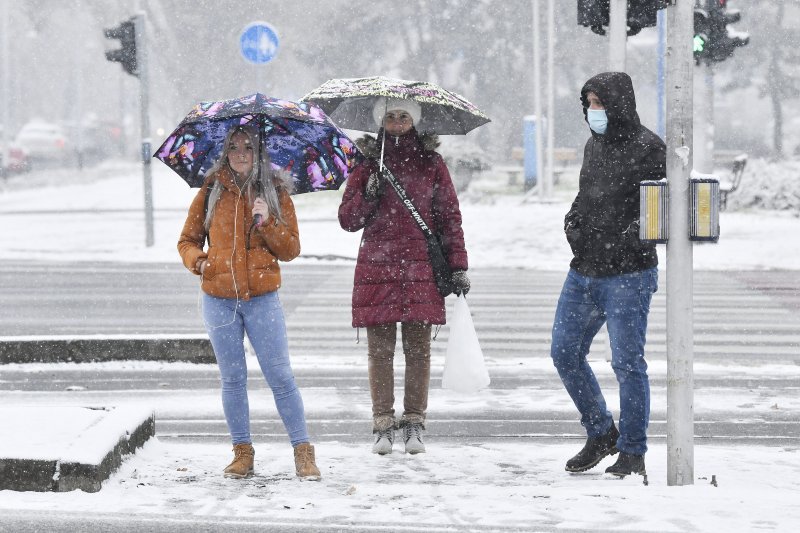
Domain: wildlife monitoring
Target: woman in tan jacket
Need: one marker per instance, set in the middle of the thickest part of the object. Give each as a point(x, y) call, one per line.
point(245, 212)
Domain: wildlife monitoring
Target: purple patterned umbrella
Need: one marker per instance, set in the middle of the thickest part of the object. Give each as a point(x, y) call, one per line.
point(299, 138)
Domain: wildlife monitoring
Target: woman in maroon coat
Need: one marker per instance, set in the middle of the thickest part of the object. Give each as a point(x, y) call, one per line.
point(393, 279)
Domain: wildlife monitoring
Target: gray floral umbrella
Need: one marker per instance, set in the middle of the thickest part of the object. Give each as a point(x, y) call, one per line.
point(349, 101)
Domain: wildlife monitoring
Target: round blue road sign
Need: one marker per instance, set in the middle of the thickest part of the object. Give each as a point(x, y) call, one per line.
point(259, 43)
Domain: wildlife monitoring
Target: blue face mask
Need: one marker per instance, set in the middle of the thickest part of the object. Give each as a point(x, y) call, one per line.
point(598, 121)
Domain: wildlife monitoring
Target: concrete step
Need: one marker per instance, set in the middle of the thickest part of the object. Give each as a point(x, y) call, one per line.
point(62, 448)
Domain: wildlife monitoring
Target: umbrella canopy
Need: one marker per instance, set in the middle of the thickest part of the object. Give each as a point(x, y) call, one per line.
point(349, 102)
point(298, 137)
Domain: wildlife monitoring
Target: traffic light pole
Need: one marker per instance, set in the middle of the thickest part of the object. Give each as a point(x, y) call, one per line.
point(537, 93)
point(617, 35)
point(704, 119)
point(5, 92)
point(679, 272)
point(546, 189)
point(144, 107)
point(661, 53)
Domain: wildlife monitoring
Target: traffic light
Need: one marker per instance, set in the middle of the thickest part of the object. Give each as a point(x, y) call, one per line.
point(593, 14)
point(702, 32)
point(641, 14)
point(126, 33)
point(713, 40)
point(725, 39)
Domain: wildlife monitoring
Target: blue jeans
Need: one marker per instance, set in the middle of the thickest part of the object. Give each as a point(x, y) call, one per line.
point(261, 317)
point(622, 302)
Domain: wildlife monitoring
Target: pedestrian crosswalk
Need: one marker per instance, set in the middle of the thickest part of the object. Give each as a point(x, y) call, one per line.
point(746, 353)
point(513, 314)
point(746, 356)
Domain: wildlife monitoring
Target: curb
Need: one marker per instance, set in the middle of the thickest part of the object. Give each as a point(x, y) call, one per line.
point(55, 349)
point(55, 475)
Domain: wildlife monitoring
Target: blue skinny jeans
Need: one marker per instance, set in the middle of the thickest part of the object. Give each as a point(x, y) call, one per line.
point(621, 302)
point(261, 317)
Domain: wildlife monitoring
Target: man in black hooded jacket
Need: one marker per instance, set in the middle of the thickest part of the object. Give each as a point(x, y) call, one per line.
point(612, 275)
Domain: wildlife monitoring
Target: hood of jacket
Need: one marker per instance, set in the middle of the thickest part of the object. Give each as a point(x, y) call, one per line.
point(615, 90)
point(371, 146)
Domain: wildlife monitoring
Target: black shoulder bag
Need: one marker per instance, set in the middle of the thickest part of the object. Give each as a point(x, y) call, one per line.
point(441, 269)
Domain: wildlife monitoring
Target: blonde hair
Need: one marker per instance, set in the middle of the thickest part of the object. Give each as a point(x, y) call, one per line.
point(263, 181)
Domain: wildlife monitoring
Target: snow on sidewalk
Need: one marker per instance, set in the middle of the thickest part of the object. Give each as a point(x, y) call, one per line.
point(517, 484)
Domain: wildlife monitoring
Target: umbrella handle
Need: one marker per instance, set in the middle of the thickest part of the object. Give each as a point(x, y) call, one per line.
point(383, 137)
point(258, 186)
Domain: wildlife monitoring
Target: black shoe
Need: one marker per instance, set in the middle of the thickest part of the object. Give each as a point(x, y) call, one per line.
point(627, 464)
point(593, 452)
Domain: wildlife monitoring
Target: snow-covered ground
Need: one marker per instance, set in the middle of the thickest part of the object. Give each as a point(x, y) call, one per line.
point(515, 483)
point(479, 484)
point(97, 216)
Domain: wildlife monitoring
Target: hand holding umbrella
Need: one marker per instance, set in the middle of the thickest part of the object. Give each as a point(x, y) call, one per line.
point(260, 211)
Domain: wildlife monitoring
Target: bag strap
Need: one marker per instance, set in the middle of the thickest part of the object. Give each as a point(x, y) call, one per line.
point(406, 201)
point(205, 211)
point(441, 270)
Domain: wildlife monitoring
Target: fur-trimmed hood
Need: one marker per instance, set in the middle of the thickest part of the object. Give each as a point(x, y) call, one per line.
point(370, 145)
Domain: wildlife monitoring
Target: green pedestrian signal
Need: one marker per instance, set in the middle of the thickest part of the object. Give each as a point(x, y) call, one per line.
point(702, 30)
point(699, 44)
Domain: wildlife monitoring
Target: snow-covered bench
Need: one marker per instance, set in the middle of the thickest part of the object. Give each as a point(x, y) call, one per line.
point(729, 185)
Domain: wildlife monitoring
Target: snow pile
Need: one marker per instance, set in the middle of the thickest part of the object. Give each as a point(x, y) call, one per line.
point(769, 185)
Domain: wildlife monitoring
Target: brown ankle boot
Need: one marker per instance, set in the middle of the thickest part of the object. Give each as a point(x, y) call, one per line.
point(242, 465)
point(304, 462)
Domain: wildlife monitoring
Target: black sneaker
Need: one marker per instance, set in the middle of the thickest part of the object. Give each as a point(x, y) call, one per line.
point(627, 464)
point(594, 450)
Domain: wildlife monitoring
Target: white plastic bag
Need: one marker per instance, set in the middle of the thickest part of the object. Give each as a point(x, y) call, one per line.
point(464, 368)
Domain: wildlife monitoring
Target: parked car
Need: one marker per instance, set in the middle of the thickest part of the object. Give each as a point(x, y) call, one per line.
point(17, 158)
point(44, 142)
point(90, 140)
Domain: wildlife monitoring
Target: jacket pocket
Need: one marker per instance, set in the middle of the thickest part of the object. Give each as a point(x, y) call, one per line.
point(613, 247)
point(572, 229)
point(211, 266)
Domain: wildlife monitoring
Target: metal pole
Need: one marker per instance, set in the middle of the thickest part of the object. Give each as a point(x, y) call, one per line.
point(709, 95)
point(78, 54)
point(704, 120)
point(5, 91)
point(661, 53)
point(617, 34)
point(144, 103)
point(680, 378)
point(547, 182)
point(537, 92)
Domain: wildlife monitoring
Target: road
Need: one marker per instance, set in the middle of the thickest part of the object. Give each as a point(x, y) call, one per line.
point(747, 349)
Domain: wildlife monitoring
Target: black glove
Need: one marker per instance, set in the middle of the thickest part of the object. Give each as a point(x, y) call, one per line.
point(374, 188)
point(572, 220)
point(572, 229)
point(460, 282)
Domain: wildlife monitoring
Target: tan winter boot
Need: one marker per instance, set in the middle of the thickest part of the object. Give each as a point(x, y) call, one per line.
point(242, 465)
point(304, 462)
